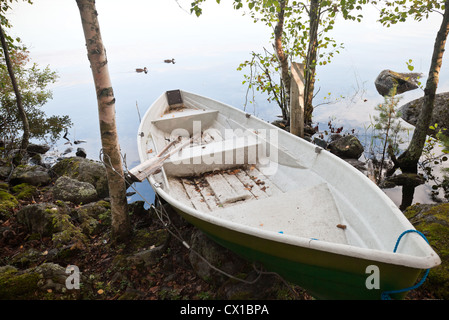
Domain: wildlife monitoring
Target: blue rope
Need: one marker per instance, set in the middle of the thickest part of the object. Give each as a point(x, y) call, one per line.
point(386, 294)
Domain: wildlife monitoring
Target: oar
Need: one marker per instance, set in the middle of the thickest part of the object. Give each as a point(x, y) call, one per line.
point(150, 166)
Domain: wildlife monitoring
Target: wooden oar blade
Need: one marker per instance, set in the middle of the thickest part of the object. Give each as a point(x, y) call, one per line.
point(150, 166)
point(147, 168)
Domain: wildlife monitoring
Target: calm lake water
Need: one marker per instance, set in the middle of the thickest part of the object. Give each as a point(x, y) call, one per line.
point(207, 52)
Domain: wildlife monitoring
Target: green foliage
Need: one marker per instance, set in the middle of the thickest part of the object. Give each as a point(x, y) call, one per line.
point(387, 123)
point(441, 135)
point(265, 76)
point(301, 42)
point(5, 5)
point(394, 11)
point(432, 158)
point(7, 203)
point(387, 130)
point(13, 43)
point(32, 82)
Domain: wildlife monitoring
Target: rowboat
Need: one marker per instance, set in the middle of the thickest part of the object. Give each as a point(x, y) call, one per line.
point(278, 200)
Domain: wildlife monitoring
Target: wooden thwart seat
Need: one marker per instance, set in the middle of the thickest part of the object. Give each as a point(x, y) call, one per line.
point(219, 155)
point(189, 120)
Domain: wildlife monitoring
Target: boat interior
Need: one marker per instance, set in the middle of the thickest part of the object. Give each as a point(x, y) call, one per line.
point(237, 172)
point(227, 171)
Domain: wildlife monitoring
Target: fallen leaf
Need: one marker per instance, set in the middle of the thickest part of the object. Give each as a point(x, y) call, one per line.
point(101, 291)
point(234, 171)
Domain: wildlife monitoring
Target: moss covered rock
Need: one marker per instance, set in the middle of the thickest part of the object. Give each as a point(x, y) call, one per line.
point(24, 191)
point(433, 222)
point(44, 282)
point(93, 216)
point(84, 170)
point(38, 218)
point(7, 203)
point(34, 175)
point(15, 285)
point(50, 220)
point(68, 189)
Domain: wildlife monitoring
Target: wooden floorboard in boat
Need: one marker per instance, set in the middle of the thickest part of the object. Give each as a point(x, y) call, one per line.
point(222, 189)
point(195, 195)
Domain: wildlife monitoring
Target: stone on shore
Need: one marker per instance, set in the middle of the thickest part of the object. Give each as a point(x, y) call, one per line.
point(84, 170)
point(411, 111)
point(387, 80)
point(348, 147)
point(68, 189)
point(32, 174)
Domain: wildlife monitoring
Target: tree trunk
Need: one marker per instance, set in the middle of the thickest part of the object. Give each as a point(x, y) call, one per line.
point(314, 16)
point(408, 161)
point(96, 54)
point(297, 100)
point(22, 113)
point(283, 58)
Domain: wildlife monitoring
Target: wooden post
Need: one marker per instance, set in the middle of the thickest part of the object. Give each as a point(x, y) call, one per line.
point(297, 100)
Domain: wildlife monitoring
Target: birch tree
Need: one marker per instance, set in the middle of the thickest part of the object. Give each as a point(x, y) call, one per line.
point(5, 5)
point(300, 31)
point(399, 11)
point(96, 54)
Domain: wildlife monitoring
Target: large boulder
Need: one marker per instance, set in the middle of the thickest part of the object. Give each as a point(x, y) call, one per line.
point(51, 220)
point(32, 174)
point(40, 218)
point(411, 111)
point(207, 253)
point(46, 281)
point(68, 189)
point(5, 170)
point(37, 148)
point(346, 147)
point(387, 80)
point(84, 170)
point(237, 278)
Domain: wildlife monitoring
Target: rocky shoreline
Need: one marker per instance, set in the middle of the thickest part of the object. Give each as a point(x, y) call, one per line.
point(54, 217)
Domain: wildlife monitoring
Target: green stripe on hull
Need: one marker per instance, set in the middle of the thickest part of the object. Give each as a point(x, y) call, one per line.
point(324, 275)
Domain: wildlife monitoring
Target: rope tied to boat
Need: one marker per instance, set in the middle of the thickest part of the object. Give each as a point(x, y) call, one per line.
point(386, 294)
